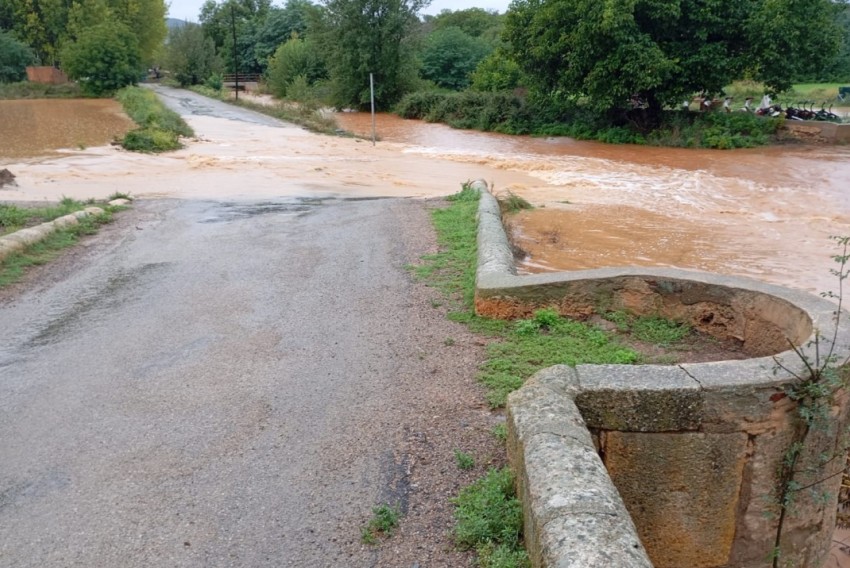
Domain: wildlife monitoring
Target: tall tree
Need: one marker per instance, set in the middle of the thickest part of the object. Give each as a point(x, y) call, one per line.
point(450, 56)
point(370, 36)
point(146, 19)
point(607, 51)
point(103, 58)
point(280, 24)
point(14, 58)
point(190, 55)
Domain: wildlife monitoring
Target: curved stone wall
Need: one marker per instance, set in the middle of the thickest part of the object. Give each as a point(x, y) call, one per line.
point(693, 450)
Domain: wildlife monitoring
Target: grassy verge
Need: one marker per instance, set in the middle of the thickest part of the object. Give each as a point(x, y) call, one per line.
point(27, 90)
point(159, 128)
point(489, 520)
point(14, 267)
point(488, 515)
point(13, 217)
point(309, 116)
point(519, 349)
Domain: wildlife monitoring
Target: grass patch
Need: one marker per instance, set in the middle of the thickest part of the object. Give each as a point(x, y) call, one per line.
point(13, 217)
point(27, 90)
point(651, 329)
point(464, 461)
point(159, 128)
point(489, 520)
point(384, 520)
point(14, 267)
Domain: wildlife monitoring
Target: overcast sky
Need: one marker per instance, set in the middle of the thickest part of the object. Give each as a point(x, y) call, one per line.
point(189, 9)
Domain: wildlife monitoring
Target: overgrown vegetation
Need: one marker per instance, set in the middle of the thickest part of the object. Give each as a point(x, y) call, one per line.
point(512, 114)
point(159, 127)
point(384, 520)
point(28, 90)
point(14, 267)
point(489, 521)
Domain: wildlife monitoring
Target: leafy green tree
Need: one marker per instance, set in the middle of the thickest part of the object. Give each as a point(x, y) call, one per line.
point(104, 58)
point(248, 16)
point(497, 72)
point(190, 55)
point(280, 24)
point(14, 58)
point(370, 36)
point(450, 56)
point(475, 22)
point(295, 58)
point(606, 52)
point(40, 24)
point(146, 20)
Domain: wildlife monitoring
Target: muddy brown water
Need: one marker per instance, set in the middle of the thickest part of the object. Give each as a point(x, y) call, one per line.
point(30, 128)
point(764, 213)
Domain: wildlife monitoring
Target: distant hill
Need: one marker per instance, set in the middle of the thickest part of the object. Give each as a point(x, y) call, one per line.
point(172, 23)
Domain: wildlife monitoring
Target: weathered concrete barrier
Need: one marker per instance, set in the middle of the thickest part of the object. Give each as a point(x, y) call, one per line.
point(693, 450)
point(19, 240)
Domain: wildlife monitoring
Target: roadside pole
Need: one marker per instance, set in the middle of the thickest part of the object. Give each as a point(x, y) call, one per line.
point(372, 90)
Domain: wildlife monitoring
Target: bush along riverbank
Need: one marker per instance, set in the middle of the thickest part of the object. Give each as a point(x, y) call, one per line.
point(28, 90)
point(512, 114)
point(159, 128)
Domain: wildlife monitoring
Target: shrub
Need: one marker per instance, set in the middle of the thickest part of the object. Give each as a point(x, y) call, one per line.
point(103, 59)
point(14, 58)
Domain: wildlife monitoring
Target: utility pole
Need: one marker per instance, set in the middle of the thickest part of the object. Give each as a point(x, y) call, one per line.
point(235, 52)
point(372, 90)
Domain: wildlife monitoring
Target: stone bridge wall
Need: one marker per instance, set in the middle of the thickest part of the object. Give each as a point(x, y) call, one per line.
point(692, 450)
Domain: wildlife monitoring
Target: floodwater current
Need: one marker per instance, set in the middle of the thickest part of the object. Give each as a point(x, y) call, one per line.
point(764, 213)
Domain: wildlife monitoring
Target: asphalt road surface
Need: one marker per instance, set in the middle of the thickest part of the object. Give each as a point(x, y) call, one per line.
point(230, 384)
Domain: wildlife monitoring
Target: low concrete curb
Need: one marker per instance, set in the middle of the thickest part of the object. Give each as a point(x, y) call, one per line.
point(680, 456)
point(20, 240)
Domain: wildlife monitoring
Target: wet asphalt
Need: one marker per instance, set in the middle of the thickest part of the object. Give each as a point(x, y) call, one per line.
point(210, 391)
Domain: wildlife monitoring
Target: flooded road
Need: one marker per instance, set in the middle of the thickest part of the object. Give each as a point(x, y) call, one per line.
point(764, 213)
point(37, 127)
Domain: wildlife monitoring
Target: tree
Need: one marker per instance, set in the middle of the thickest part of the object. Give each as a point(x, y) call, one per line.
point(14, 58)
point(370, 36)
point(662, 51)
point(476, 22)
point(104, 58)
point(146, 19)
point(295, 58)
point(247, 16)
point(190, 55)
point(450, 56)
point(497, 72)
point(280, 24)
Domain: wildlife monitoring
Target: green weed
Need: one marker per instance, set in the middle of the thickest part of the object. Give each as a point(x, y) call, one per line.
point(384, 520)
point(159, 127)
point(513, 203)
point(13, 267)
point(489, 519)
point(119, 195)
point(464, 461)
point(500, 431)
point(651, 329)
